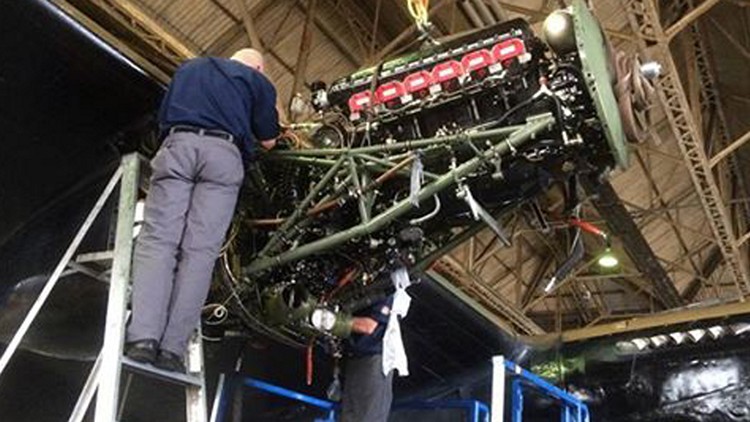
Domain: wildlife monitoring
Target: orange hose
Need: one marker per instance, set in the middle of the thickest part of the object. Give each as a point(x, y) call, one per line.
point(332, 203)
point(309, 361)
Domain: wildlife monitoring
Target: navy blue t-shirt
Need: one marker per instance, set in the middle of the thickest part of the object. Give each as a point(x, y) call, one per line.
point(214, 93)
point(366, 345)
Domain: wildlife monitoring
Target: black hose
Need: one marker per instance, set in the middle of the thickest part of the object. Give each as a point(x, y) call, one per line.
point(575, 257)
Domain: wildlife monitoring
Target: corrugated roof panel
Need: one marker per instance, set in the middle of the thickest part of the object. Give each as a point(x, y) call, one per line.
point(213, 21)
point(155, 9)
point(186, 16)
point(326, 55)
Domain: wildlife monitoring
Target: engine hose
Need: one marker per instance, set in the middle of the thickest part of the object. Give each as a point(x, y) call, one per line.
point(497, 122)
point(428, 216)
point(309, 362)
point(634, 92)
point(566, 268)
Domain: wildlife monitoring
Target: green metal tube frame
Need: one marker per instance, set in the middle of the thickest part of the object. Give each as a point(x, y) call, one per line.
point(515, 136)
point(299, 212)
point(405, 145)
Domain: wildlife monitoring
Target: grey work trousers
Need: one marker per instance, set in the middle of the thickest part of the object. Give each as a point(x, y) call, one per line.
point(194, 188)
point(367, 394)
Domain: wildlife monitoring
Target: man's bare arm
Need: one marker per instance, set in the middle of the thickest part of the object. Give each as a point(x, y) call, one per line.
point(364, 325)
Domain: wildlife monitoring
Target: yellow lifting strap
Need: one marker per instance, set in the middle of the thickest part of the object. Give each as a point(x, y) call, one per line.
point(418, 9)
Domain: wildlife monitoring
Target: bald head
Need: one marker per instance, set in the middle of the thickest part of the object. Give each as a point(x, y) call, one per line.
point(250, 57)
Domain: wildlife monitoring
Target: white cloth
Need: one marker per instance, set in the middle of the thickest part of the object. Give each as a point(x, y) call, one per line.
point(394, 353)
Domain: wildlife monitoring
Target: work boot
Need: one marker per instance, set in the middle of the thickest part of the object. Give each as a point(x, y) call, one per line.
point(143, 351)
point(169, 361)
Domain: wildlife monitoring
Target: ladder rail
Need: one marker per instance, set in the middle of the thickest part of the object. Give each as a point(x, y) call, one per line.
point(61, 266)
point(195, 396)
point(104, 377)
point(114, 331)
point(87, 394)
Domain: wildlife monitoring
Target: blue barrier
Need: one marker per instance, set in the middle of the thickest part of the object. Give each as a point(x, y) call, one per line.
point(276, 390)
point(477, 411)
point(572, 409)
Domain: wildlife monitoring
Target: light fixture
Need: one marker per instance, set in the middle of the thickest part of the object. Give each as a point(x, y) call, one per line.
point(740, 328)
point(716, 331)
point(559, 32)
point(626, 347)
point(640, 343)
point(678, 337)
point(696, 335)
point(323, 319)
point(659, 340)
point(608, 259)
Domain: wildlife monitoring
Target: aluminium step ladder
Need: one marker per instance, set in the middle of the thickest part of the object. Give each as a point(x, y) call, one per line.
point(104, 378)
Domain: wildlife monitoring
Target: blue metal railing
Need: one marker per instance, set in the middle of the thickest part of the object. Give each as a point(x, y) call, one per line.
point(326, 405)
point(572, 410)
point(476, 410)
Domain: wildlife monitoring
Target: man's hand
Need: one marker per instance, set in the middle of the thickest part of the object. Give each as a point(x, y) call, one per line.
point(364, 325)
point(268, 144)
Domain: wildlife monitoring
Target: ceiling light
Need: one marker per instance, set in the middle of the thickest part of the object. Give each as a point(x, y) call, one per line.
point(626, 347)
point(640, 343)
point(678, 337)
point(716, 331)
point(696, 335)
point(608, 259)
point(659, 340)
point(740, 328)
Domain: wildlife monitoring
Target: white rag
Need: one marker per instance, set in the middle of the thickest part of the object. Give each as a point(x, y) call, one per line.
point(394, 353)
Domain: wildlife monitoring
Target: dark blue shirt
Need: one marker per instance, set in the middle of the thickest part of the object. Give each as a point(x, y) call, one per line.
point(366, 345)
point(223, 94)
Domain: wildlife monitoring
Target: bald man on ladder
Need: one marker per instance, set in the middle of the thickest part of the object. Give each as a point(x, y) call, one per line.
point(213, 115)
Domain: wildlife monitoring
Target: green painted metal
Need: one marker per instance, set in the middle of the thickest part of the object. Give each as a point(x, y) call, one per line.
point(364, 214)
point(317, 161)
point(518, 137)
point(405, 145)
point(387, 165)
point(594, 58)
point(275, 240)
point(456, 240)
point(278, 311)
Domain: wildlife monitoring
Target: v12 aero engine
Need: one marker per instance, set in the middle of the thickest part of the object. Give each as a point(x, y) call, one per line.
point(403, 156)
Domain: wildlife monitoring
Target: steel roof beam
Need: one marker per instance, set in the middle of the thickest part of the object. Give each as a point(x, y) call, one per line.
point(608, 205)
point(689, 18)
point(712, 263)
point(665, 319)
point(448, 266)
point(648, 29)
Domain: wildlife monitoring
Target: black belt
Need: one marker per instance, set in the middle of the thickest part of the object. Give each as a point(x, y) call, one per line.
point(203, 132)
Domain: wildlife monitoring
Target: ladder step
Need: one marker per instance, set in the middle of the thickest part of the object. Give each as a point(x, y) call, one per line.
point(151, 371)
point(95, 256)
